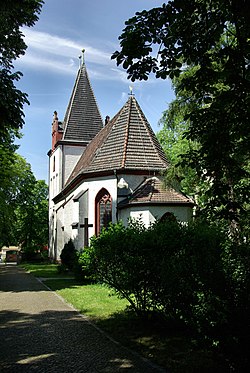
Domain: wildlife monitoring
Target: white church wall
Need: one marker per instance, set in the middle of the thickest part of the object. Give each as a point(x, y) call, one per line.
point(140, 213)
point(55, 175)
point(55, 186)
point(71, 157)
point(182, 213)
point(59, 232)
point(149, 214)
point(69, 213)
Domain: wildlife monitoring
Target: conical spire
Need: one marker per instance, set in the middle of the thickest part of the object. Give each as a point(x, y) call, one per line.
point(82, 119)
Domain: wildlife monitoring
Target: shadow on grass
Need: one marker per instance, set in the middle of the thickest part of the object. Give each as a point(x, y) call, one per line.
point(45, 270)
point(168, 344)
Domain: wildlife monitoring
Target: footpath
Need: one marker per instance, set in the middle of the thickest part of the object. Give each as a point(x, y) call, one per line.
point(39, 332)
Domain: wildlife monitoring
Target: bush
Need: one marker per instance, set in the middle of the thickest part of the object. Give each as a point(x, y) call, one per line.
point(69, 255)
point(119, 261)
point(61, 268)
point(192, 273)
point(85, 268)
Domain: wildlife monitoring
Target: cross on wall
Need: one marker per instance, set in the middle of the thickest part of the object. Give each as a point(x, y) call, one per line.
point(86, 227)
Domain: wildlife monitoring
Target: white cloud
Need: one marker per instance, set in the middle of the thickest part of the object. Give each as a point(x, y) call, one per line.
point(38, 62)
point(46, 43)
point(123, 98)
point(61, 55)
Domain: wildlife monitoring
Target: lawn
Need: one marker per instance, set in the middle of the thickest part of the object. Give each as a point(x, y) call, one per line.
point(93, 300)
point(44, 270)
point(169, 345)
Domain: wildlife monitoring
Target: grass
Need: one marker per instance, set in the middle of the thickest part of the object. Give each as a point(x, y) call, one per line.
point(169, 345)
point(44, 270)
point(94, 300)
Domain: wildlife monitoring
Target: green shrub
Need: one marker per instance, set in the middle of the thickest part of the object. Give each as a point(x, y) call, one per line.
point(62, 268)
point(85, 266)
point(69, 255)
point(118, 261)
point(191, 273)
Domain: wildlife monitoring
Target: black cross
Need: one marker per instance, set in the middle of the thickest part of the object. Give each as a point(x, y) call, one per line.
point(86, 227)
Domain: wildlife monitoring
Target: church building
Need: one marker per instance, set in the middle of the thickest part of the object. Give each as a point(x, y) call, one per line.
point(101, 173)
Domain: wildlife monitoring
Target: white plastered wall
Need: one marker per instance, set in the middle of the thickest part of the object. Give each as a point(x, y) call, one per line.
point(55, 186)
point(71, 156)
point(149, 214)
point(68, 209)
point(55, 174)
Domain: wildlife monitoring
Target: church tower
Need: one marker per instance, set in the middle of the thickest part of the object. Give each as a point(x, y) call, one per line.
point(70, 138)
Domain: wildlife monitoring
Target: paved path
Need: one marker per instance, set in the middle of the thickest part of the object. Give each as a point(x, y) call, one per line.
point(41, 333)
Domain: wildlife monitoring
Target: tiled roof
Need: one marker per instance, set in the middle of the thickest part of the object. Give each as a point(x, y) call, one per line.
point(82, 119)
point(152, 191)
point(127, 142)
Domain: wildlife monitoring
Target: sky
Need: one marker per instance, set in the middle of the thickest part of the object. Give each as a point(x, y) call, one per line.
point(51, 62)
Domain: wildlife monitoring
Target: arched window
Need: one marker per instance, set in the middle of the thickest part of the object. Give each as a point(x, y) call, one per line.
point(103, 210)
point(168, 216)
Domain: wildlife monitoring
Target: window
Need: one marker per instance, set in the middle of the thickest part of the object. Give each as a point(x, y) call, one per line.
point(54, 164)
point(168, 216)
point(103, 210)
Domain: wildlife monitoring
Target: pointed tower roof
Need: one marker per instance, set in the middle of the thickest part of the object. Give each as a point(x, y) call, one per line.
point(82, 119)
point(127, 142)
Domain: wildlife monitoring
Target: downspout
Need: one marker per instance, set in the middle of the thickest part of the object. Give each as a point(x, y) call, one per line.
point(115, 173)
point(63, 168)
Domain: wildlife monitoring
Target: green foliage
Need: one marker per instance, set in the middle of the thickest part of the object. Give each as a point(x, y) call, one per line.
point(118, 257)
point(32, 213)
point(23, 207)
point(187, 273)
point(14, 14)
point(85, 266)
point(204, 46)
point(69, 255)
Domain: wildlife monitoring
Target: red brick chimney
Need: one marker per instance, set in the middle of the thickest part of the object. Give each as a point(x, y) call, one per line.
point(57, 131)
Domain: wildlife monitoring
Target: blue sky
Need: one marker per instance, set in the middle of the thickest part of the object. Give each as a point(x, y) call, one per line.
point(51, 63)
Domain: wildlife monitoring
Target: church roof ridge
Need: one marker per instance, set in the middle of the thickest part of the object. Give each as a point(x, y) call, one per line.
point(82, 119)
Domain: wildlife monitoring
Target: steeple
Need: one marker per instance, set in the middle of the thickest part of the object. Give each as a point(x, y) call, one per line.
point(82, 120)
point(81, 123)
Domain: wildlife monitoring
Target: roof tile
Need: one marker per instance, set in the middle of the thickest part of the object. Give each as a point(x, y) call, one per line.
point(127, 142)
point(153, 191)
point(82, 119)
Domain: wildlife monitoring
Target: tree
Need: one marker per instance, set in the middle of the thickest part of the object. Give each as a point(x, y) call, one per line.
point(32, 216)
point(212, 38)
point(14, 14)
point(23, 207)
point(175, 144)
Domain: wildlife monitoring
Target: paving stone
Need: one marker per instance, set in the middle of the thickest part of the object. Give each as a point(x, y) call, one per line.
point(39, 332)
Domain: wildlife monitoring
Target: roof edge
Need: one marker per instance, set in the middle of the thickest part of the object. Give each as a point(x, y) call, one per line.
point(147, 203)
